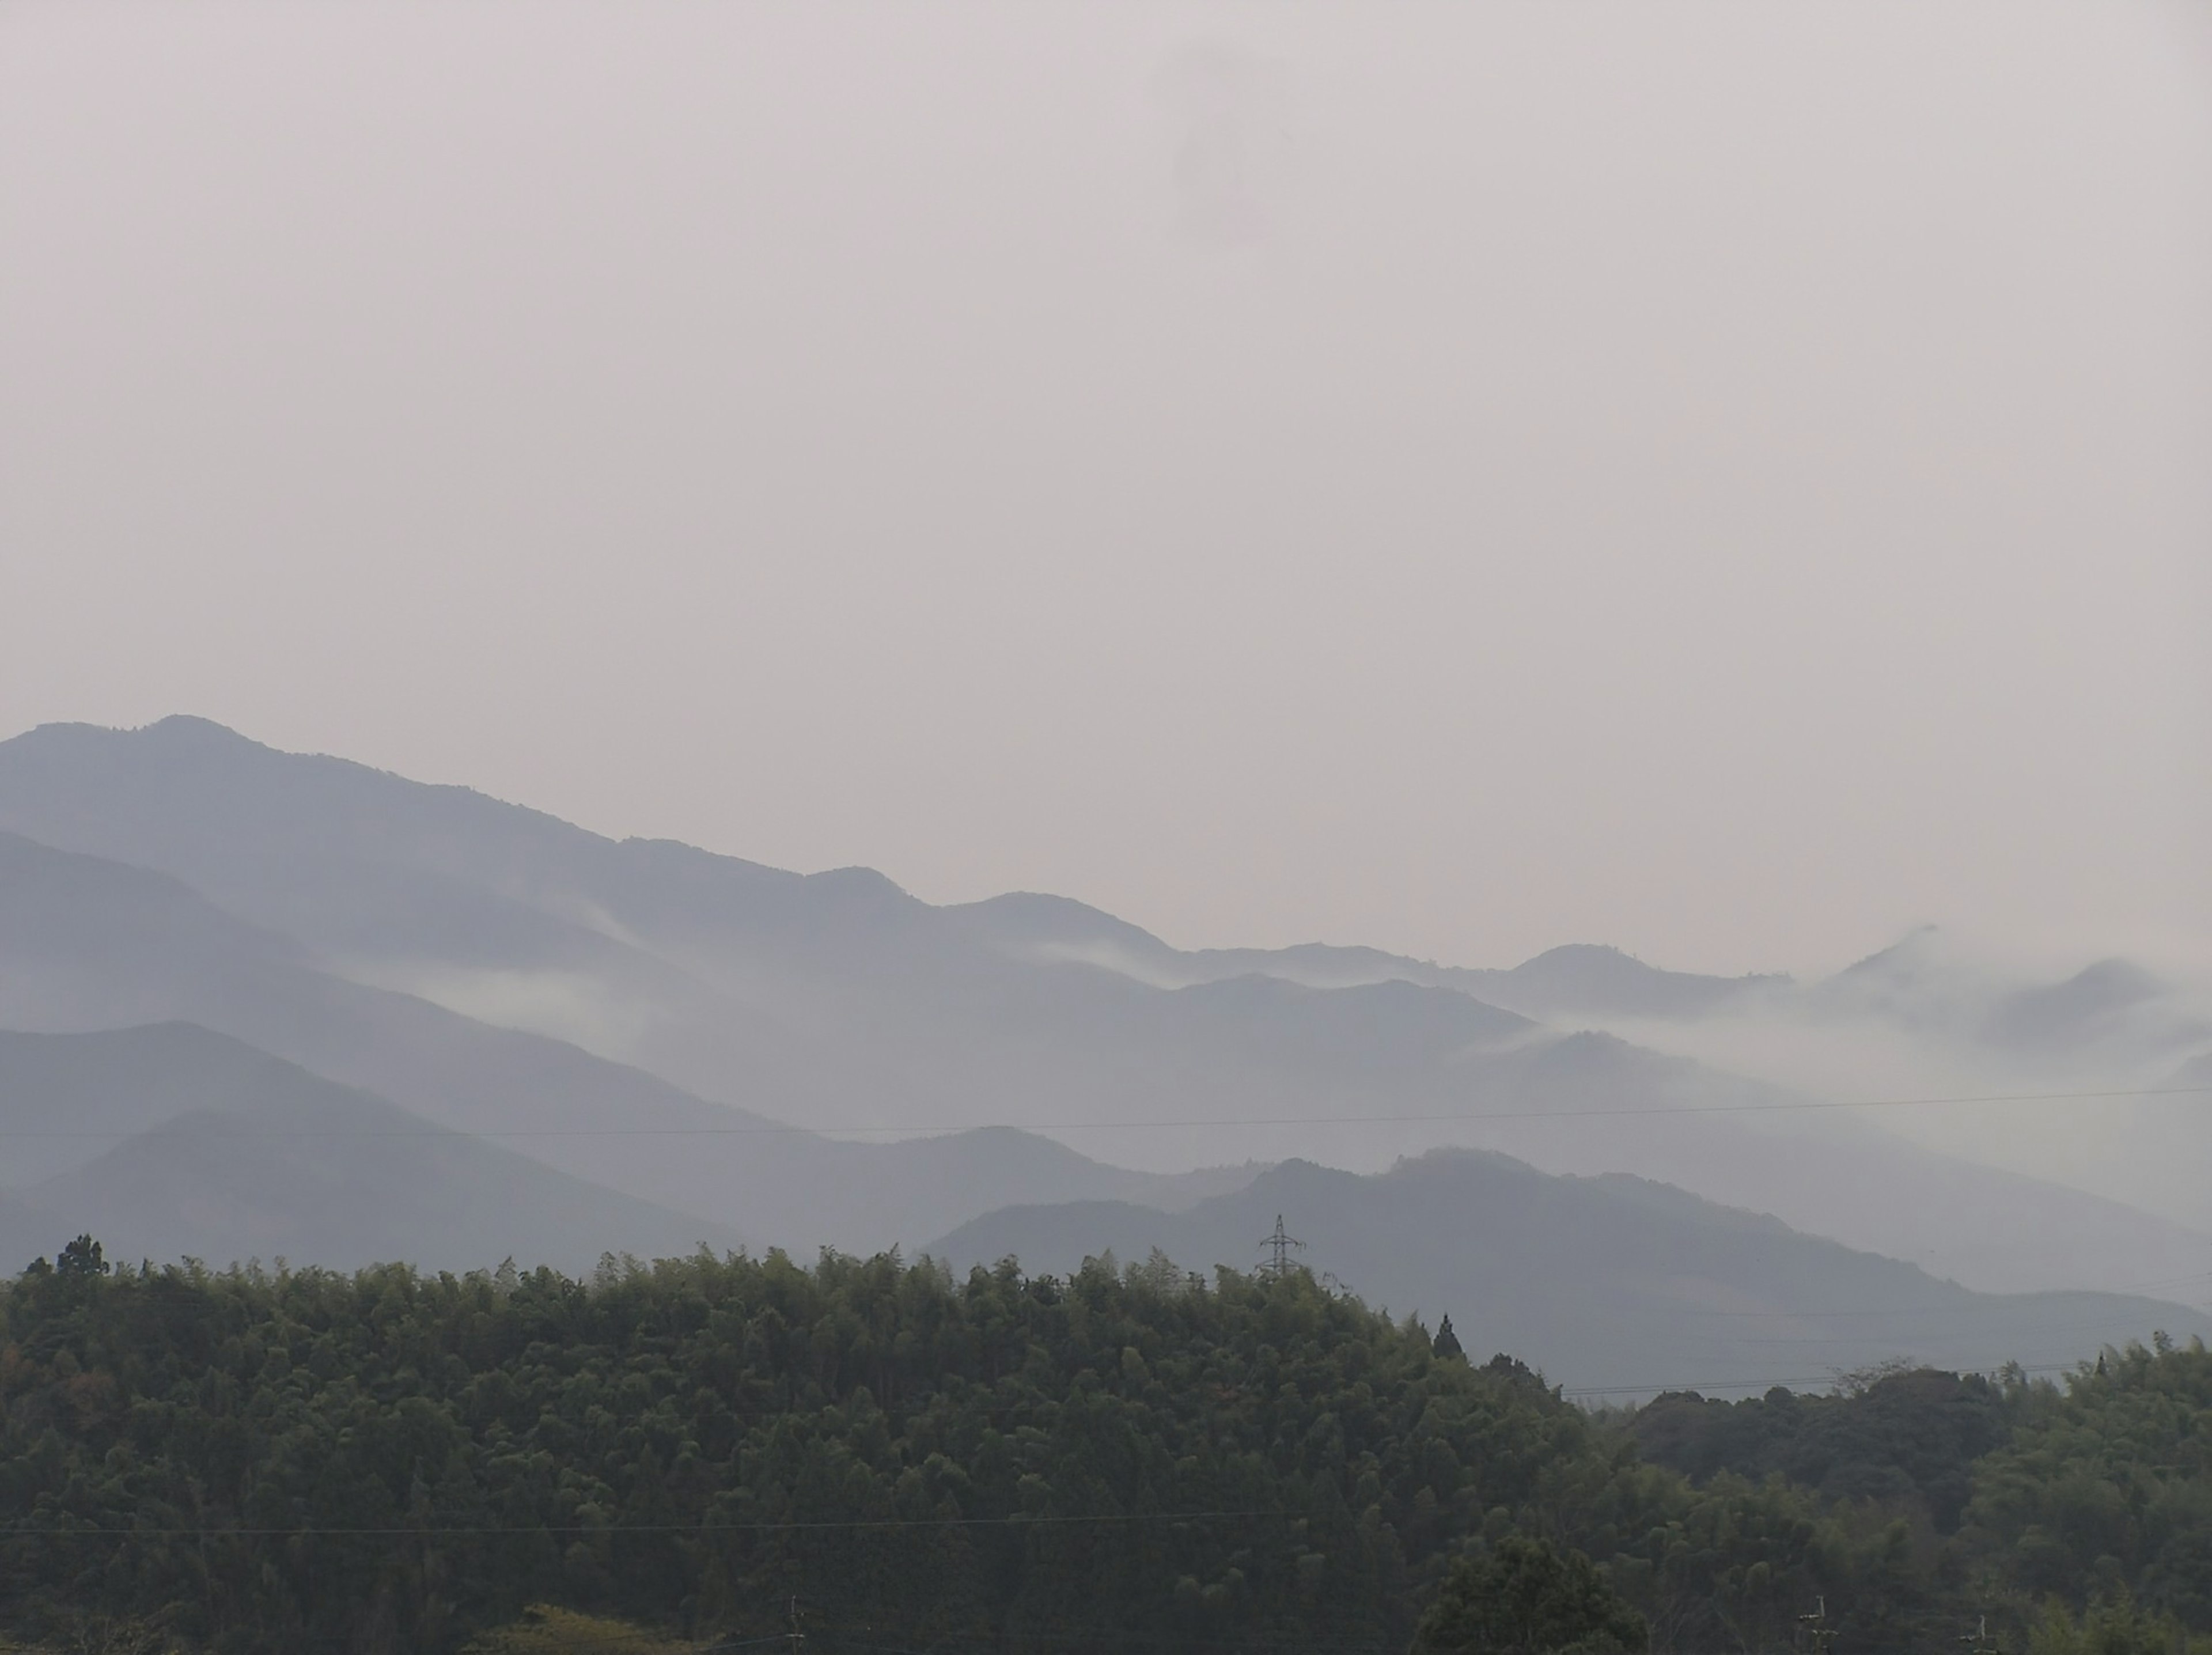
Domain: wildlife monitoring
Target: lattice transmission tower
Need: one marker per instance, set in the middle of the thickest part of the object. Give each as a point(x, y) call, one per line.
point(1278, 1245)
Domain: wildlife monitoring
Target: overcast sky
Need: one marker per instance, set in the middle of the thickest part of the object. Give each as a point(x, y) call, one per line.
point(1730, 481)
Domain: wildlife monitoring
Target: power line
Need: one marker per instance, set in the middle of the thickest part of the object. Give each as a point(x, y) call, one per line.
point(1651, 1388)
point(2026, 1330)
point(397, 1531)
point(1945, 1309)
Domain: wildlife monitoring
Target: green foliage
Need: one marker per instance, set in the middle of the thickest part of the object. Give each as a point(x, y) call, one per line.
point(1734, 1564)
point(1527, 1597)
point(391, 1461)
point(2118, 1628)
point(2082, 1513)
point(401, 1461)
point(2105, 1488)
point(82, 1256)
point(1909, 1438)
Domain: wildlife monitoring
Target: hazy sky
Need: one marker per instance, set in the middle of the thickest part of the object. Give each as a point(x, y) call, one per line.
point(1732, 481)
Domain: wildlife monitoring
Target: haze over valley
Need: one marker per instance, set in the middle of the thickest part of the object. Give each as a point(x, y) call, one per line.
point(273, 1004)
point(1155, 829)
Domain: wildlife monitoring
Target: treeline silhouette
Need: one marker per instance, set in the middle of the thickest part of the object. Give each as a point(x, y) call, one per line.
point(1125, 1460)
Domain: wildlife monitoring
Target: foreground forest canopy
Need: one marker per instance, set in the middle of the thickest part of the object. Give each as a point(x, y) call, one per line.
point(1131, 1459)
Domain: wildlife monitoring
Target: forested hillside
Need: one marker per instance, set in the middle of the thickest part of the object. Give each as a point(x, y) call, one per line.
point(1130, 1460)
point(1906, 1439)
point(2099, 1491)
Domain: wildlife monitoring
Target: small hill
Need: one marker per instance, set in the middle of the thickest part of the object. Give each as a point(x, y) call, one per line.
point(1607, 1283)
point(1590, 980)
point(173, 1141)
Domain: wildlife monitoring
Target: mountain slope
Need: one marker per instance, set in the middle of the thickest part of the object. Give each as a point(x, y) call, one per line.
point(1604, 1282)
point(532, 973)
point(90, 944)
point(828, 999)
point(1581, 979)
point(171, 1140)
point(1577, 980)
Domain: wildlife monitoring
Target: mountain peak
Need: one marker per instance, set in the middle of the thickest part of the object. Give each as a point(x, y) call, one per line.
point(1593, 979)
point(1908, 953)
point(175, 728)
point(1591, 951)
point(191, 726)
point(1038, 925)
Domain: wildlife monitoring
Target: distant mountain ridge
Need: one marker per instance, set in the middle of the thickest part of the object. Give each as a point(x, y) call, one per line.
point(1617, 1281)
point(1577, 979)
point(490, 967)
point(169, 1140)
point(87, 944)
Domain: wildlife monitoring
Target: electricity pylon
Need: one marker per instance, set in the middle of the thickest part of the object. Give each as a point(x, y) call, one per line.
point(1279, 1245)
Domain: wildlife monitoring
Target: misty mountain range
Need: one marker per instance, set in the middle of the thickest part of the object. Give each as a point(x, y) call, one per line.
point(1619, 1281)
point(275, 1004)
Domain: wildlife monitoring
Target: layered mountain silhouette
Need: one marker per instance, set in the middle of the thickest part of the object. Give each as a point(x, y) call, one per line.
point(2111, 1009)
point(171, 1142)
point(89, 944)
point(784, 1058)
point(1618, 1282)
point(1577, 980)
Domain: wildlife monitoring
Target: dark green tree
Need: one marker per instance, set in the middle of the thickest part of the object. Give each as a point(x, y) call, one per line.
point(81, 1257)
point(1527, 1597)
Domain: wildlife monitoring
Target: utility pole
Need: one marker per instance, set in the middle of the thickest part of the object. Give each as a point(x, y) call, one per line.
point(798, 1637)
point(1978, 1641)
point(1279, 1245)
point(1817, 1633)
